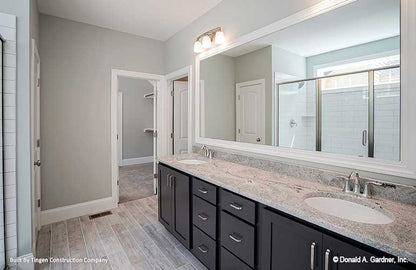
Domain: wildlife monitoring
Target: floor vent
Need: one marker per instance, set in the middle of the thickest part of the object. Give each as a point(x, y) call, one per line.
point(102, 214)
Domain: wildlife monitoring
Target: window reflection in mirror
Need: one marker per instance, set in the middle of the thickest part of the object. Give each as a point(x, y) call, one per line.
point(329, 84)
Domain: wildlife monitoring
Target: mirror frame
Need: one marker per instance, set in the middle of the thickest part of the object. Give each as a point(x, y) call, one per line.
point(406, 168)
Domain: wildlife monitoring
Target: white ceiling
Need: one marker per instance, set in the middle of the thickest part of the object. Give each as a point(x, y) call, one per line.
point(357, 23)
point(157, 19)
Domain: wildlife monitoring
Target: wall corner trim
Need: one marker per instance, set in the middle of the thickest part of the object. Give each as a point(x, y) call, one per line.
point(76, 210)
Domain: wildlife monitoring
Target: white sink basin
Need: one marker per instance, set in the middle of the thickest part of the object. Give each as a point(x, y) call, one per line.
point(192, 161)
point(348, 210)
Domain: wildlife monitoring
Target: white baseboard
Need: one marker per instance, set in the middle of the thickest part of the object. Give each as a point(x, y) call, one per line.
point(134, 161)
point(76, 210)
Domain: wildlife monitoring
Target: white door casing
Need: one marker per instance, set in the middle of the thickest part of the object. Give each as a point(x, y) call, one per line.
point(250, 112)
point(180, 125)
point(120, 127)
point(35, 142)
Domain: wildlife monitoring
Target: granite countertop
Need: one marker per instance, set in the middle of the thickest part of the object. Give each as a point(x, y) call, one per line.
point(287, 194)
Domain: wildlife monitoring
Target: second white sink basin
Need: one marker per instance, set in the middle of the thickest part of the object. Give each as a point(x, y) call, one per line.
point(192, 161)
point(348, 210)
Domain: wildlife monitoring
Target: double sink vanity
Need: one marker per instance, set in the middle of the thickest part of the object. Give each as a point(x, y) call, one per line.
point(233, 216)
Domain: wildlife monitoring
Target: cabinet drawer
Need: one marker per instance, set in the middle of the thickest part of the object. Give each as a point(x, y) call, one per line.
point(204, 216)
point(238, 237)
point(204, 190)
point(239, 206)
point(231, 262)
point(204, 248)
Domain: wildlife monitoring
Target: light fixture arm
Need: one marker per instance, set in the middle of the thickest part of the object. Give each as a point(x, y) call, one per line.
point(210, 33)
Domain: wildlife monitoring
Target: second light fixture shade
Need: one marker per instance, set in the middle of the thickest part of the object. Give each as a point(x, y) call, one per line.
point(206, 42)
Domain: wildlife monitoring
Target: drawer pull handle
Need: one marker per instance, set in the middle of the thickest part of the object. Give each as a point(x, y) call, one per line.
point(203, 216)
point(327, 259)
point(235, 237)
point(313, 255)
point(203, 249)
point(236, 206)
point(203, 190)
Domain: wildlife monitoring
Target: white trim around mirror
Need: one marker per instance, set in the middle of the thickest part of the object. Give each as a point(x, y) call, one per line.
point(406, 168)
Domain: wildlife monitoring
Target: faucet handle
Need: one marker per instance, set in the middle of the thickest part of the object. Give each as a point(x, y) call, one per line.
point(365, 192)
point(347, 187)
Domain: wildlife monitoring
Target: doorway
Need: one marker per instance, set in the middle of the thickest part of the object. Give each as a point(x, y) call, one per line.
point(180, 116)
point(250, 112)
point(179, 84)
point(134, 132)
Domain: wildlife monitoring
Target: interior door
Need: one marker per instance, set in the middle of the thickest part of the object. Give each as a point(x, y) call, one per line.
point(250, 111)
point(180, 126)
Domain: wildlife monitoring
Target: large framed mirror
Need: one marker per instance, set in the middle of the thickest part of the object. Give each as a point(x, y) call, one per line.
point(325, 86)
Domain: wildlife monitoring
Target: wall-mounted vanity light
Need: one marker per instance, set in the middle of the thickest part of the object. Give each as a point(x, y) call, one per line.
point(205, 40)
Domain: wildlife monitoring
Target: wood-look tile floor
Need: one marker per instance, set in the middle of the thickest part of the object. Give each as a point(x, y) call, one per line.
point(130, 238)
point(136, 182)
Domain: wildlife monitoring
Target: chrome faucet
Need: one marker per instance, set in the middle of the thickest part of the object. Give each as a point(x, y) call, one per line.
point(355, 177)
point(207, 152)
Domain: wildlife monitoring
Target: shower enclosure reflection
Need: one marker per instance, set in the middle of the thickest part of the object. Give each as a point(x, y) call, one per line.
point(318, 85)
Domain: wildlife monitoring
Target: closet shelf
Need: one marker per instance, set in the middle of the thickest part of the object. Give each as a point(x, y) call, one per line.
point(152, 130)
point(150, 95)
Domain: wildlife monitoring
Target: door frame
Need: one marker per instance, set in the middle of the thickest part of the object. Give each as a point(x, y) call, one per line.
point(161, 93)
point(35, 185)
point(120, 127)
point(238, 111)
point(180, 73)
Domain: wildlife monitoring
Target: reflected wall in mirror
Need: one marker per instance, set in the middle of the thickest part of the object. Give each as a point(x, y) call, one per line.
point(330, 84)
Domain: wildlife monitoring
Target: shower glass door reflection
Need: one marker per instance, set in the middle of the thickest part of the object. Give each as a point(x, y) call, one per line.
point(345, 109)
point(297, 115)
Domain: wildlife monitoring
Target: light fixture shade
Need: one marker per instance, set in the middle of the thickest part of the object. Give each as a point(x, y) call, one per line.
point(206, 42)
point(198, 46)
point(219, 37)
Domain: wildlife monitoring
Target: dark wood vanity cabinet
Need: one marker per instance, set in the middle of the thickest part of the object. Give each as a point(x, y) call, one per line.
point(227, 231)
point(287, 245)
point(175, 203)
point(291, 245)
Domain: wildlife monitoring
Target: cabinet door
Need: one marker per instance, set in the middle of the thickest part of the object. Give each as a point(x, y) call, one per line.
point(349, 257)
point(165, 196)
point(181, 210)
point(288, 245)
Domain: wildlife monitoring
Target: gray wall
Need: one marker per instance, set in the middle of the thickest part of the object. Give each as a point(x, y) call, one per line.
point(137, 115)
point(76, 62)
point(219, 79)
point(253, 66)
point(21, 9)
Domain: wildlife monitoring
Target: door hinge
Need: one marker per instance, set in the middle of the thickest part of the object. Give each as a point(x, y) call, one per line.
point(38, 203)
point(155, 175)
point(117, 136)
point(239, 97)
point(172, 135)
point(118, 182)
point(172, 93)
point(38, 143)
point(37, 82)
point(239, 131)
